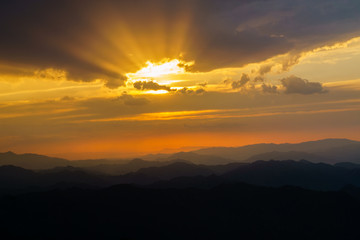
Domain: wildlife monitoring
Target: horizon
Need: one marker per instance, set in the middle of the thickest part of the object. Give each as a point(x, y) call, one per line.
point(91, 156)
point(99, 83)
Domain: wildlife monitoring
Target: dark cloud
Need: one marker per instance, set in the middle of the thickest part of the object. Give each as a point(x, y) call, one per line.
point(133, 101)
point(259, 79)
point(114, 83)
point(204, 84)
point(267, 88)
point(242, 82)
point(67, 98)
point(298, 85)
point(186, 90)
point(108, 38)
point(265, 69)
point(150, 85)
point(200, 91)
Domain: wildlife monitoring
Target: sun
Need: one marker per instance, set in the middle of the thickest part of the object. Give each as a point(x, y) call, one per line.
point(159, 69)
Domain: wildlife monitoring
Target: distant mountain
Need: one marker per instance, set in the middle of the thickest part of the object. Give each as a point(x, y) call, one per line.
point(151, 175)
point(346, 153)
point(131, 166)
point(178, 169)
point(31, 161)
point(317, 176)
point(330, 150)
point(347, 165)
point(326, 150)
point(15, 177)
point(197, 158)
point(293, 155)
point(302, 173)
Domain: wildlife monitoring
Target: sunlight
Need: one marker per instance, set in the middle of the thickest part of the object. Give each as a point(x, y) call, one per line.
point(156, 92)
point(165, 67)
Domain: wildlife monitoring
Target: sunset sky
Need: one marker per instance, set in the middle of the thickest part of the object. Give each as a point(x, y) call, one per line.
point(90, 79)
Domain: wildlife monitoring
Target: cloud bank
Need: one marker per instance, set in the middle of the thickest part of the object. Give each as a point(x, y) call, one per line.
point(218, 33)
point(298, 85)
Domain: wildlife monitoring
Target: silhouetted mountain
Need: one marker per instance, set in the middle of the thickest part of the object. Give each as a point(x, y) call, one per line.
point(151, 175)
point(196, 158)
point(31, 161)
point(13, 177)
point(205, 182)
point(347, 165)
point(132, 166)
point(19, 179)
point(178, 169)
point(304, 174)
point(333, 150)
point(296, 173)
point(345, 153)
point(327, 150)
point(230, 211)
point(221, 169)
point(293, 155)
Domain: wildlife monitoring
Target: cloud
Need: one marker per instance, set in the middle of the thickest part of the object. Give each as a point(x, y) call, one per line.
point(265, 69)
point(51, 74)
point(267, 88)
point(200, 91)
point(114, 83)
point(298, 85)
point(150, 85)
point(67, 98)
point(204, 84)
point(259, 79)
point(132, 101)
point(186, 90)
point(218, 34)
point(242, 82)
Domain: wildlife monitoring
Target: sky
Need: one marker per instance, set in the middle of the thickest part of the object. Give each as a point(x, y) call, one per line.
point(94, 79)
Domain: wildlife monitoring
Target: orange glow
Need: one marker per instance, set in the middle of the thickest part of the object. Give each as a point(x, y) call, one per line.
point(135, 146)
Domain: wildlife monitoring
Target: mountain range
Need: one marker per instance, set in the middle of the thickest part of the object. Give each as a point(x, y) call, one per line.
point(261, 191)
point(327, 151)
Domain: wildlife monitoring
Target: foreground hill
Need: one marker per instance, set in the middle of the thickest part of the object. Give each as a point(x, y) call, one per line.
point(228, 211)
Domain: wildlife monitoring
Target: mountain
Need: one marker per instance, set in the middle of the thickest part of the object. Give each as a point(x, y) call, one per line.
point(150, 175)
point(329, 150)
point(326, 150)
point(293, 155)
point(131, 166)
point(317, 176)
point(302, 173)
point(178, 169)
point(345, 153)
point(196, 158)
point(18, 178)
point(31, 161)
point(347, 165)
